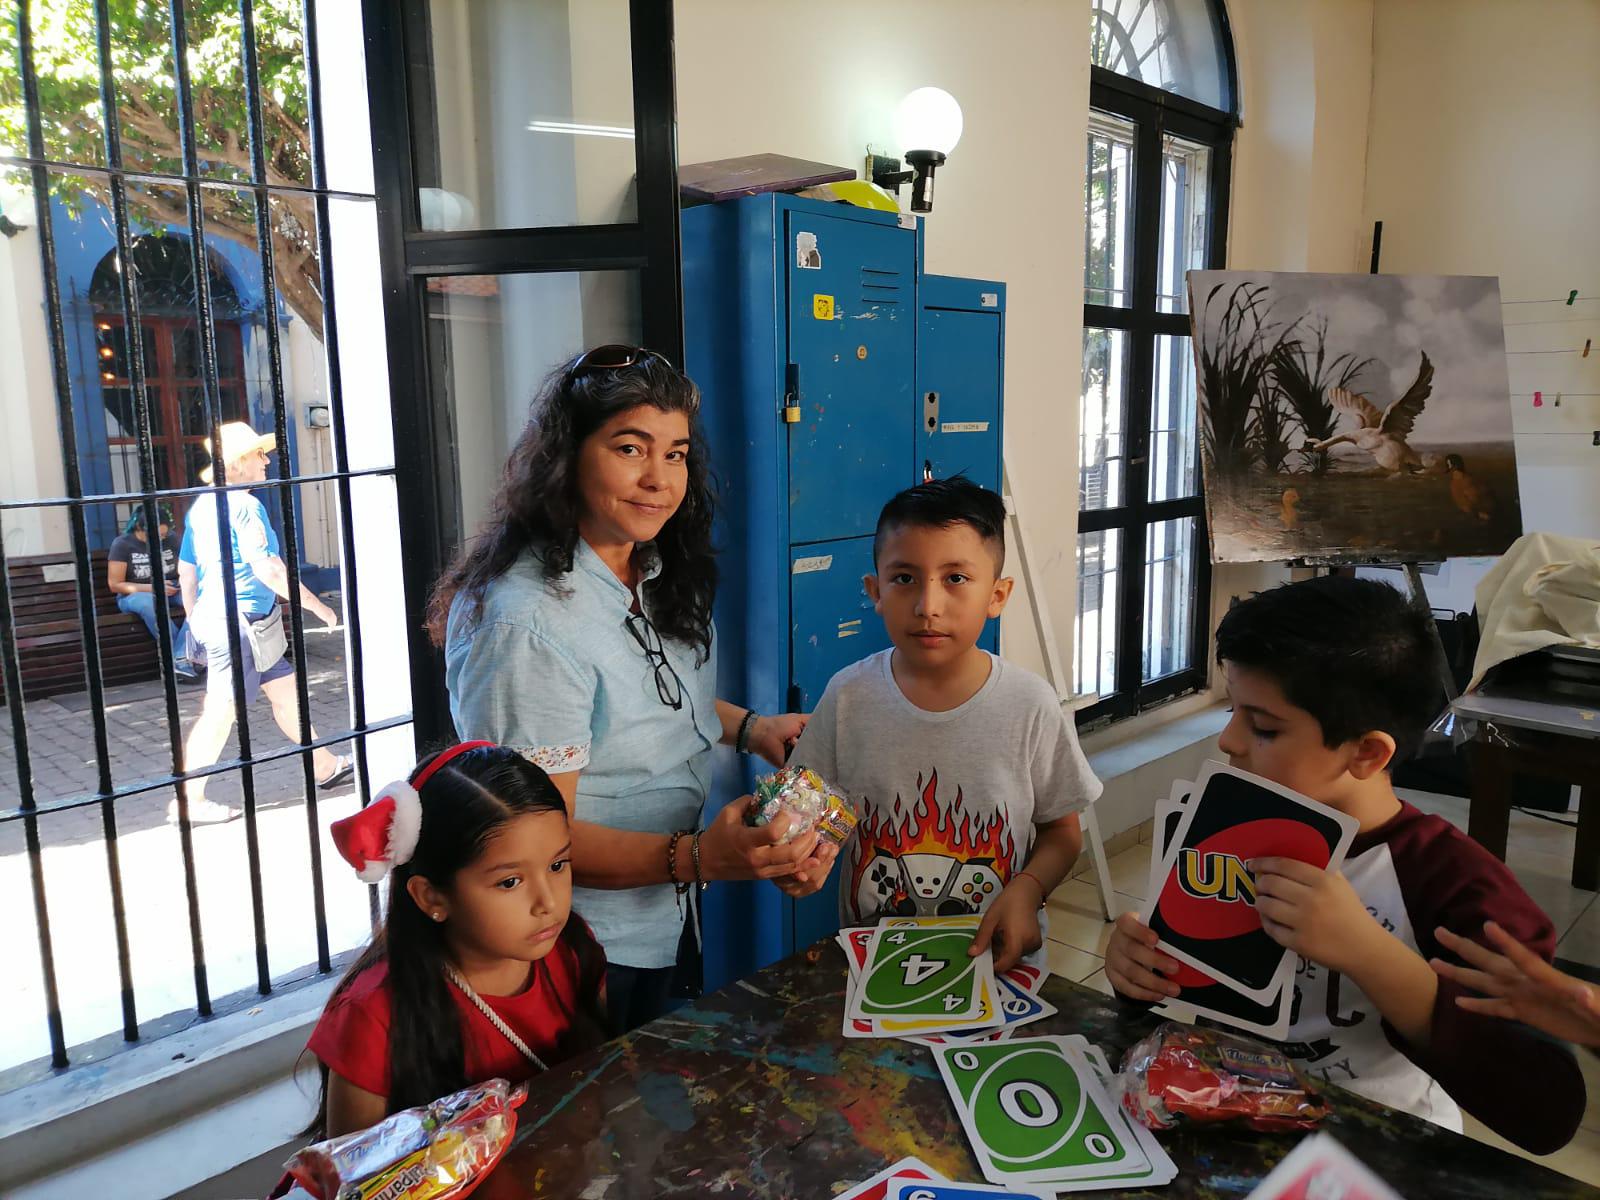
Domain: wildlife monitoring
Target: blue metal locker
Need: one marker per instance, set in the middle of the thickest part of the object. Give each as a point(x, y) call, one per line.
point(813, 336)
point(960, 375)
point(852, 346)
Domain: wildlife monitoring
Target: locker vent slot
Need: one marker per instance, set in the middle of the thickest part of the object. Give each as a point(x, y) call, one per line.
point(880, 285)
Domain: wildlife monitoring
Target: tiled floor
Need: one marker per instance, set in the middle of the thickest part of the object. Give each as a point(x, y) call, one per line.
point(1540, 853)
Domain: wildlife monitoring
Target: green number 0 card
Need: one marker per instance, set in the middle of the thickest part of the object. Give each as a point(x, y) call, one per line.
point(1035, 1113)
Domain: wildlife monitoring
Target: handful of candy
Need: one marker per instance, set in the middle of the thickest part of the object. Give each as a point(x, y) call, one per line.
point(1181, 1073)
point(440, 1152)
point(807, 797)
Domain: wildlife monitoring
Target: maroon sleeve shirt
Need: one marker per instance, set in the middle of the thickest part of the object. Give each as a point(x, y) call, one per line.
point(1415, 873)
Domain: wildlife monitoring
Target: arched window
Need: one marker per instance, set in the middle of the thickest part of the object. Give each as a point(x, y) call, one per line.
point(1162, 104)
point(174, 381)
point(1178, 46)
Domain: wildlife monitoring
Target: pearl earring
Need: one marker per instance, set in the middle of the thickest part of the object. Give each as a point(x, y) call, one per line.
point(438, 916)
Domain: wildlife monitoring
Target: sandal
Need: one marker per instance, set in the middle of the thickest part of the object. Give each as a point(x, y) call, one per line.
point(343, 769)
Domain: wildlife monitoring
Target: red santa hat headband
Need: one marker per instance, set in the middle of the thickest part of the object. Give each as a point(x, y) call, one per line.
point(383, 835)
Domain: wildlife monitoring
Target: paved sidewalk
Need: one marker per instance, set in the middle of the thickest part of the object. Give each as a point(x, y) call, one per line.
point(61, 746)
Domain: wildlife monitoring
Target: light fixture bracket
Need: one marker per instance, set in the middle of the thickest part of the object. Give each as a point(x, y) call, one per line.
point(886, 173)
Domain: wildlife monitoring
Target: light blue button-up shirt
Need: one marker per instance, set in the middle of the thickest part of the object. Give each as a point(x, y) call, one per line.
point(559, 678)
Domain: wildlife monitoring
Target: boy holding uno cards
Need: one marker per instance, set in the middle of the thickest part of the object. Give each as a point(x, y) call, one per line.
point(966, 774)
point(1332, 681)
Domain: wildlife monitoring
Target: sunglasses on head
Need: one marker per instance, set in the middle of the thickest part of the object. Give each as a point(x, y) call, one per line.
point(614, 357)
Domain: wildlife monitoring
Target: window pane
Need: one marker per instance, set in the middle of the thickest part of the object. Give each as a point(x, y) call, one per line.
point(1169, 598)
point(1108, 201)
point(493, 339)
point(1102, 413)
point(1185, 217)
point(1175, 45)
point(531, 120)
point(1172, 420)
point(1094, 661)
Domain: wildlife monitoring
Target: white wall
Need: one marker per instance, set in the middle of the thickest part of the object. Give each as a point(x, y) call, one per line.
point(30, 462)
point(1305, 76)
point(822, 81)
point(1484, 159)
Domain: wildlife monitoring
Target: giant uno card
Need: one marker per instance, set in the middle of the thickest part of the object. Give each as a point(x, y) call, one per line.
point(1205, 910)
point(1201, 994)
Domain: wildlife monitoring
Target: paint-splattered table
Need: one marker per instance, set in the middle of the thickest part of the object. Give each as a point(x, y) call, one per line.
point(754, 1092)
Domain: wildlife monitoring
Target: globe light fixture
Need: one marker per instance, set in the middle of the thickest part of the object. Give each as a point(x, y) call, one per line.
point(927, 126)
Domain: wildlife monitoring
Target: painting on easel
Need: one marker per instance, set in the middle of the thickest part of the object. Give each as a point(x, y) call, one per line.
point(1353, 418)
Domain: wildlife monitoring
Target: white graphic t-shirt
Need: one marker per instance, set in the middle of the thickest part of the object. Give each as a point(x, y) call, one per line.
point(947, 801)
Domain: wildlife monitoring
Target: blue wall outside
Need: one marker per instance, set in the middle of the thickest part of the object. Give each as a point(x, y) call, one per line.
point(84, 235)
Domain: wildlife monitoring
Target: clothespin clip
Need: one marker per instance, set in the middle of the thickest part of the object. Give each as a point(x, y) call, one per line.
point(1538, 399)
point(1571, 296)
point(1587, 342)
point(1558, 399)
point(1597, 437)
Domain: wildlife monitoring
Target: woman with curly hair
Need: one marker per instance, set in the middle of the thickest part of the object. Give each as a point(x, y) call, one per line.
point(577, 629)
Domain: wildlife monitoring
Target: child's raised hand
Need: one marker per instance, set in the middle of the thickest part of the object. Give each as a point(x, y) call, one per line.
point(730, 849)
point(1520, 986)
point(1010, 925)
point(1135, 968)
point(1315, 913)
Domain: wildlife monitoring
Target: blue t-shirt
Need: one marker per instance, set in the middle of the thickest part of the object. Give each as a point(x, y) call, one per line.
point(252, 540)
point(551, 671)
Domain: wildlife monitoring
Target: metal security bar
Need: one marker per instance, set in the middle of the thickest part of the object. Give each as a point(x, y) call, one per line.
point(194, 182)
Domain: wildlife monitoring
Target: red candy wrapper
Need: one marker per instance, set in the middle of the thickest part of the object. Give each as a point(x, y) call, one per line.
point(1182, 1073)
point(440, 1152)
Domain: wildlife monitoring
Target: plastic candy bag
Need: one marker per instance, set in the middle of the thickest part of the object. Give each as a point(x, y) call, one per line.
point(809, 799)
point(440, 1152)
point(1181, 1073)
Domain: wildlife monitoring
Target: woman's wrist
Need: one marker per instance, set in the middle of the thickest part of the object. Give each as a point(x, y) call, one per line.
point(747, 729)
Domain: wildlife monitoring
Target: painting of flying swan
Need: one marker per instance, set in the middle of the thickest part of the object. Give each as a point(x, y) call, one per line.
point(1353, 418)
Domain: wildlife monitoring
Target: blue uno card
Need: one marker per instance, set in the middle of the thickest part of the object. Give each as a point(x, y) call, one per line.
point(913, 1189)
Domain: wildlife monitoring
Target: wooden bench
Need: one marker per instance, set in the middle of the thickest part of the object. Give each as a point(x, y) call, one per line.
point(44, 604)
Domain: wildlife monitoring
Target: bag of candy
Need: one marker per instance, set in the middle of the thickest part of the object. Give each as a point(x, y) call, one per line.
point(440, 1152)
point(1182, 1073)
point(809, 799)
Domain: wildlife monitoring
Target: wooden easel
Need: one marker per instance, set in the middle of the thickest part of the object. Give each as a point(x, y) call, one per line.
point(1058, 679)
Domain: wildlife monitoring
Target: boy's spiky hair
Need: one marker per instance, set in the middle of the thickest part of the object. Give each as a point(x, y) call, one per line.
point(1354, 653)
point(941, 503)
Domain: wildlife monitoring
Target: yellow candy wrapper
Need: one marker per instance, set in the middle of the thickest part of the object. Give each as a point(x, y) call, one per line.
point(809, 799)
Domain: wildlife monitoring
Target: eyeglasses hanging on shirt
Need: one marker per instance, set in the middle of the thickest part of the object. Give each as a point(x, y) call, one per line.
point(668, 686)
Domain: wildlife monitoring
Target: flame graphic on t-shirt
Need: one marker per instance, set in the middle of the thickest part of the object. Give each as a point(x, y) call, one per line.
point(929, 857)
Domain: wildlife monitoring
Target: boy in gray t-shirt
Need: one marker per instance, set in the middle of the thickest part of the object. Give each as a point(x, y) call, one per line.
point(966, 775)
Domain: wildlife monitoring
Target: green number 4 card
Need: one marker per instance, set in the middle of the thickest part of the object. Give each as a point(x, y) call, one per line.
point(923, 973)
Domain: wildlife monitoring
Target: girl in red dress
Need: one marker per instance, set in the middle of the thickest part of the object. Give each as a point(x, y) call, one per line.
point(480, 970)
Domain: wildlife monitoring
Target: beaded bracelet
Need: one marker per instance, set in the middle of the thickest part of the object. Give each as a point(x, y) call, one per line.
point(672, 862)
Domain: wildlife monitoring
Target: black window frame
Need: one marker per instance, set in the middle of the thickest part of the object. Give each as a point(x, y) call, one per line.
point(1154, 114)
point(403, 129)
